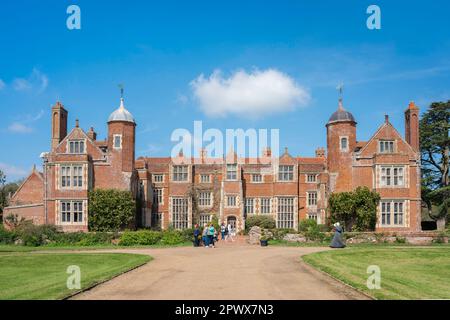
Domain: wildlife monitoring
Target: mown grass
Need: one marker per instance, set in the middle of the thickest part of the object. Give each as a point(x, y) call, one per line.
point(406, 272)
point(36, 275)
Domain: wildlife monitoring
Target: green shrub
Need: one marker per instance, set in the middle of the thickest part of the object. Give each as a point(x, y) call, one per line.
point(141, 237)
point(188, 234)
point(264, 222)
point(172, 237)
point(278, 234)
point(6, 236)
point(96, 238)
point(32, 235)
point(311, 230)
point(110, 210)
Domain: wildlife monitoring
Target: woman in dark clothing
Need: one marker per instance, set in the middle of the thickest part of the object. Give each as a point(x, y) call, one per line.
point(337, 239)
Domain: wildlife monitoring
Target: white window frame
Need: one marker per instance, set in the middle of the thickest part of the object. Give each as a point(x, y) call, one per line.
point(257, 180)
point(155, 180)
point(232, 171)
point(232, 204)
point(309, 175)
point(114, 141)
point(180, 213)
point(204, 219)
point(286, 213)
point(311, 198)
point(69, 209)
point(250, 204)
point(391, 211)
point(158, 196)
point(69, 178)
point(205, 199)
point(340, 143)
point(390, 144)
point(76, 142)
point(390, 175)
point(183, 173)
point(265, 205)
point(314, 216)
point(205, 178)
point(286, 173)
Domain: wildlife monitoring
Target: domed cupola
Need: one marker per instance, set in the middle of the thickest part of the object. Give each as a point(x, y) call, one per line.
point(121, 114)
point(341, 115)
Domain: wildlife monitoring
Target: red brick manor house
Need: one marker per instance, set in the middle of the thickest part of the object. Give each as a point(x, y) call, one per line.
point(288, 189)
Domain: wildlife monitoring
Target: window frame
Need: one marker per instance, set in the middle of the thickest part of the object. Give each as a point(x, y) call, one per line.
point(205, 202)
point(176, 173)
point(233, 203)
point(283, 173)
point(389, 218)
point(285, 213)
point(71, 212)
point(265, 205)
point(390, 146)
point(231, 173)
point(180, 213)
point(114, 141)
point(390, 174)
point(72, 143)
point(346, 149)
point(68, 179)
point(258, 180)
point(312, 198)
point(203, 175)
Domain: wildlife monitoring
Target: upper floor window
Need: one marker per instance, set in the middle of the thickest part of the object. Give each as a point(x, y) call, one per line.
point(256, 178)
point(392, 212)
point(180, 173)
point(117, 141)
point(311, 178)
point(344, 144)
point(71, 176)
point(392, 176)
point(231, 201)
point(76, 146)
point(204, 199)
point(286, 173)
point(312, 198)
point(232, 171)
point(158, 196)
point(158, 178)
point(313, 216)
point(205, 178)
point(386, 146)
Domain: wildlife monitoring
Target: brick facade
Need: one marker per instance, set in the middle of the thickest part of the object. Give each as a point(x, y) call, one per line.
point(183, 190)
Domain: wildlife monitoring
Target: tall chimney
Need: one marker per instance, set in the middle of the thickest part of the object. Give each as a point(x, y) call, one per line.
point(412, 126)
point(92, 134)
point(59, 124)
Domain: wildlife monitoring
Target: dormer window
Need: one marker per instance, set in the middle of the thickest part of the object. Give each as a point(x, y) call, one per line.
point(386, 146)
point(76, 146)
point(117, 141)
point(344, 144)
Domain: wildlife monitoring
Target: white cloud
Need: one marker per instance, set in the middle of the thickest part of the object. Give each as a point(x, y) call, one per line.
point(253, 94)
point(35, 81)
point(2, 84)
point(12, 171)
point(17, 127)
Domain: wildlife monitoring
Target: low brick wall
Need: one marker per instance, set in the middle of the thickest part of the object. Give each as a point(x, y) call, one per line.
point(416, 238)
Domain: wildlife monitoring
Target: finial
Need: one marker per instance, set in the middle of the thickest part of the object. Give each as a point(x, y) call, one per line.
point(285, 150)
point(121, 90)
point(77, 123)
point(386, 118)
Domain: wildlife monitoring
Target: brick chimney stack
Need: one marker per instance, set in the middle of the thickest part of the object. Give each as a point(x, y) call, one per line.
point(320, 153)
point(92, 134)
point(412, 126)
point(59, 124)
point(267, 152)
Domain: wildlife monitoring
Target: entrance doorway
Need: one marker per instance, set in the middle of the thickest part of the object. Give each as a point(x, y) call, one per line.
point(232, 220)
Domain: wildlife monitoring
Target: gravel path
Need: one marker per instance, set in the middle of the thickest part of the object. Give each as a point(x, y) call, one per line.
point(226, 272)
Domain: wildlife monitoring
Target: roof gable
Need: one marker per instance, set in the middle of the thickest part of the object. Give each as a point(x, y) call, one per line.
point(77, 133)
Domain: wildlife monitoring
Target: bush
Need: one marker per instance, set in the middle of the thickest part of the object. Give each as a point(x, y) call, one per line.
point(6, 236)
point(172, 237)
point(110, 210)
point(311, 230)
point(278, 234)
point(141, 237)
point(264, 222)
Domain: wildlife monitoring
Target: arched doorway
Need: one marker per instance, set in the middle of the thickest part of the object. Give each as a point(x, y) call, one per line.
point(232, 220)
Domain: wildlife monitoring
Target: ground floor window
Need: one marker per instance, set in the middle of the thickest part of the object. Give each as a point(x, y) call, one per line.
point(285, 217)
point(180, 213)
point(205, 219)
point(313, 216)
point(392, 212)
point(249, 206)
point(156, 219)
point(265, 205)
point(71, 211)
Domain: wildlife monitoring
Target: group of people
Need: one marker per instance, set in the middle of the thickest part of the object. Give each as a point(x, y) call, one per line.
point(209, 235)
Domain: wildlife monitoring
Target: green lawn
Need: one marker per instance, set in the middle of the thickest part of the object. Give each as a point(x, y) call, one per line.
point(43, 275)
point(406, 273)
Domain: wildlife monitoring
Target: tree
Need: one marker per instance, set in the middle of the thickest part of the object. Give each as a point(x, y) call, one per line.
point(5, 191)
point(434, 148)
point(356, 209)
point(111, 210)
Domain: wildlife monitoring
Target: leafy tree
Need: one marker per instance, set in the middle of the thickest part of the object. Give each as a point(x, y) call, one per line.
point(111, 210)
point(356, 209)
point(5, 191)
point(434, 148)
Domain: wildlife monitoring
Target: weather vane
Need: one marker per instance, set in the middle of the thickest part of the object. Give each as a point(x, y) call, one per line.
point(340, 88)
point(121, 90)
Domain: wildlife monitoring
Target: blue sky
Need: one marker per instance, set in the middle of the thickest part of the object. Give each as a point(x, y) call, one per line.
point(158, 48)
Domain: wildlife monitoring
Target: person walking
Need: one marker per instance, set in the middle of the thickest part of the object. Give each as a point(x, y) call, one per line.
point(196, 236)
point(205, 235)
point(337, 239)
point(211, 231)
point(223, 229)
point(229, 232)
